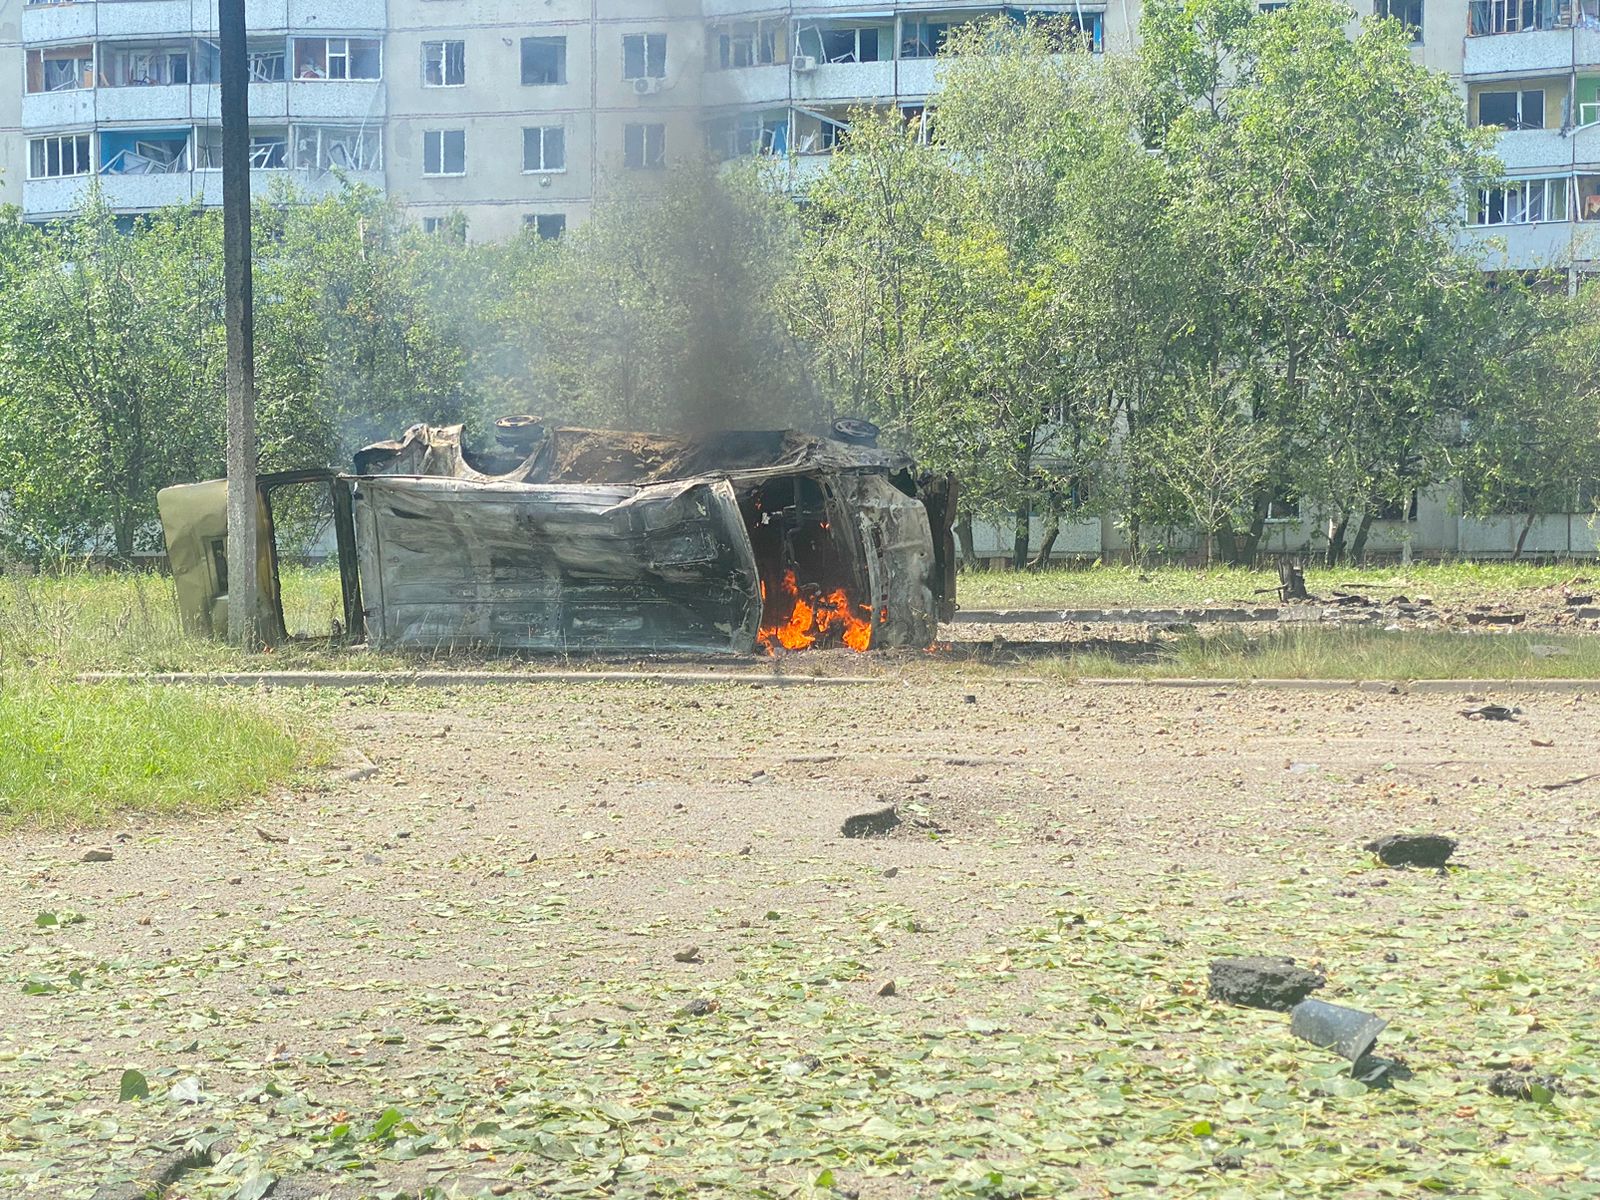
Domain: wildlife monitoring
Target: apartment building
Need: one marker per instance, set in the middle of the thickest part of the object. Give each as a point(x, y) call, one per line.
point(516, 116)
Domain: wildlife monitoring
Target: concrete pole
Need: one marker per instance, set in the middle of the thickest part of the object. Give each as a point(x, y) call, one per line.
point(243, 587)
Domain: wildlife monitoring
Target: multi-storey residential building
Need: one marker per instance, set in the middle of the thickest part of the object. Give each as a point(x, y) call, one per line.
point(524, 116)
point(513, 115)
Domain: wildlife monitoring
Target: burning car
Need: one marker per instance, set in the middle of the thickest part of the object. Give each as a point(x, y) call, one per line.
point(574, 540)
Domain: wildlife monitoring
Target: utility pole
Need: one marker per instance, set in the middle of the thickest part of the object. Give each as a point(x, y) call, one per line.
point(244, 628)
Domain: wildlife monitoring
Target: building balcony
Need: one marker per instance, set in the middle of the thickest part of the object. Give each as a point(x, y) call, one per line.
point(167, 18)
point(58, 110)
point(746, 85)
point(845, 81)
point(325, 102)
point(145, 193)
point(1539, 150)
point(916, 76)
point(1530, 52)
point(1549, 244)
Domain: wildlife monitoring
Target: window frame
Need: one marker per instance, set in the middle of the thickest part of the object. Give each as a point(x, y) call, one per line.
point(651, 65)
point(647, 161)
point(544, 132)
point(444, 45)
point(443, 157)
point(561, 72)
point(86, 160)
point(533, 224)
point(1387, 10)
point(1521, 123)
point(1551, 186)
point(298, 132)
point(344, 54)
point(84, 67)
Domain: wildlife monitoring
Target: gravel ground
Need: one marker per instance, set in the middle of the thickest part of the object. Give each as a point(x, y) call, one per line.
point(454, 962)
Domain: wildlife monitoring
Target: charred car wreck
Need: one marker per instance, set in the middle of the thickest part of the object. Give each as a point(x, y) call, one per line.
point(581, 540)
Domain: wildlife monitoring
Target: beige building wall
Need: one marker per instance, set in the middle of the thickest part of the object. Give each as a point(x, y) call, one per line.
point(593, 107)
point(13, 162)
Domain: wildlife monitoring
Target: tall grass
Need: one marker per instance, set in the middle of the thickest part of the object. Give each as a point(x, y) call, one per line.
point(76, 754)
point(1117, 586)
point(1350, 654)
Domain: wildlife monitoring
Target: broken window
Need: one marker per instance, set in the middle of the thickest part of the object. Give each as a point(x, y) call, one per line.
point(923, 38)
point(338, 58)
point(444, 152)
point(1512, 109)
point(58, 156)
point(544, 148)
point(644, 147)
point(1588, 190)
point(265, 61)
point(60, 69)
point(1079, 31)
point(816, 132)
point(336, 148)
point(644, 56)
point(144, 65)
point(1407, 12)
point(1510, 16)
point(1396, 510)
point(838, 42)
point(749, 133)
point(1521, 202)
point(444, 64)
point(545, 226)
point(544, 61)
point(739, 44)
point(453, 227)
point(918, 119)
point(1284, 504)
point(144, 151)
point(269, 149)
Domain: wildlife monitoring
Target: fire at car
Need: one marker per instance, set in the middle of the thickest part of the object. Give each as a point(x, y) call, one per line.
point(582, 540)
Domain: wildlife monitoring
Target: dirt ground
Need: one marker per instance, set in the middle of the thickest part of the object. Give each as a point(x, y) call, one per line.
point(451, 965)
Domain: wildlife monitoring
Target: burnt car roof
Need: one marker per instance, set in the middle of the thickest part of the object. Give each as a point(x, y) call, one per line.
point(610, 456)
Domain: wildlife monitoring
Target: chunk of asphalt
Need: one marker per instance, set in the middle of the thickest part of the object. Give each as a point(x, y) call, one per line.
point(1273, 983)
point(875, 822)
point(1413, 849)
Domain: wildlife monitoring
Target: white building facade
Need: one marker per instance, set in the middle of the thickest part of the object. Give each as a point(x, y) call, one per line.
point(521, 117)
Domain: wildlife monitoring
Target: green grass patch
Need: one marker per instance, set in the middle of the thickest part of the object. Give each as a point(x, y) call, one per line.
point(1459, 583)
point(1347, 654)
point(76, 754)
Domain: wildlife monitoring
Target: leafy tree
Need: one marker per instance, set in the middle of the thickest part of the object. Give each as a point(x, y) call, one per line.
point(1334, 231)
point(110, 374)
point(347, 336)
point(1534, 431)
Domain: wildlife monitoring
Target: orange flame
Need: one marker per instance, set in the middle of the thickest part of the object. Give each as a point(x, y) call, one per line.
point(809, 621)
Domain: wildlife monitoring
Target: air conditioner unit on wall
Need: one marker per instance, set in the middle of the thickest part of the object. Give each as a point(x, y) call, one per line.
point(647, 86)
point(804, 64)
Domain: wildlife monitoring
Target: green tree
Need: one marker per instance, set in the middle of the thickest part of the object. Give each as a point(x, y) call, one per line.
point(1532, 436)
point(350, 342)
point(110, 374)
point(1334, 234)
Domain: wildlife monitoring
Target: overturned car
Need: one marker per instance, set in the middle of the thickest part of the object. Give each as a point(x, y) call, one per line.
point(582, 540)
